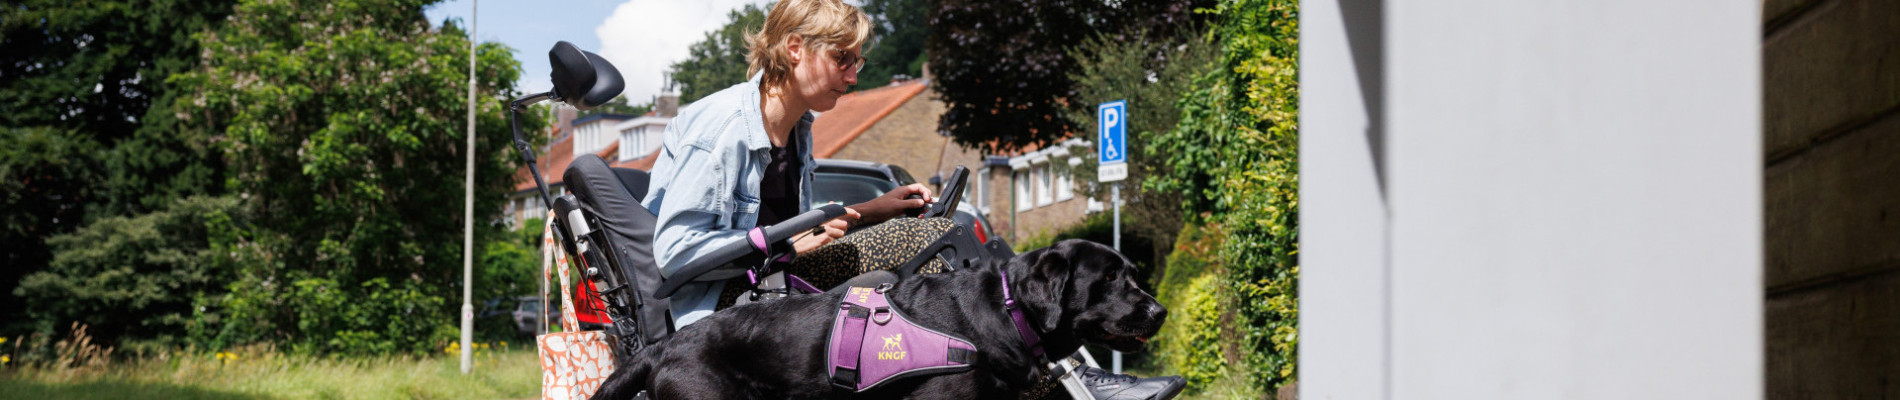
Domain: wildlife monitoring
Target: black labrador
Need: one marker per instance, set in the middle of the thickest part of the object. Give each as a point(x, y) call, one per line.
point(1072, 293)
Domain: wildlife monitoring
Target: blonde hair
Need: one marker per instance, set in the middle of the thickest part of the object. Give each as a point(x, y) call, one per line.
point(824, 25)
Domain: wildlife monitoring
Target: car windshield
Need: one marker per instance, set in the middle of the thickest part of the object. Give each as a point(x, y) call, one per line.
point(530, 305)
point(846, 189)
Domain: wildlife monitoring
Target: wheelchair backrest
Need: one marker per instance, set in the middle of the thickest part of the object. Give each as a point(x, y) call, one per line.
point(611, 197)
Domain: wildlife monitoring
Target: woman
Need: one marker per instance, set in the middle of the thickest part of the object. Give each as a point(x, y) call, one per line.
point(741, 158)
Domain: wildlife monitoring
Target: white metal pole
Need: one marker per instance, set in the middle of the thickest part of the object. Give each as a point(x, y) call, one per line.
point(1115, 196)
point(468, 209)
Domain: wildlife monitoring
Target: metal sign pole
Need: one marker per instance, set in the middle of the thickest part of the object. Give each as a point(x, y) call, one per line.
point(468, 211)
point(1111, 151)
point(1115, 196)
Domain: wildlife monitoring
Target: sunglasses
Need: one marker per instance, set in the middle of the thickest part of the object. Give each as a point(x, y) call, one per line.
point(849, 62)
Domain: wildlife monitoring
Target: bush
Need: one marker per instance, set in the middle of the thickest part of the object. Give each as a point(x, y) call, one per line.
point(1192, 340)
point(509, 266)
point(141, 275)
point(1150, 74)
point(1100, 228)
point(1235, 155)
point(371, 318)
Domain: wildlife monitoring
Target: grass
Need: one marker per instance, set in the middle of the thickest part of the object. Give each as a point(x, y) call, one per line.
point(259, 373)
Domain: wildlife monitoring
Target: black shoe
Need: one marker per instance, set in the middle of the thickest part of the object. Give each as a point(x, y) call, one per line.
point(1106, 385)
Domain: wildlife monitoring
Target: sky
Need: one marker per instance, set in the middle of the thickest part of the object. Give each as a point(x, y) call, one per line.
point(640, 37)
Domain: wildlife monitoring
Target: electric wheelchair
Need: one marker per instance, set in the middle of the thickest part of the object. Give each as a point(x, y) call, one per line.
point(601, 223)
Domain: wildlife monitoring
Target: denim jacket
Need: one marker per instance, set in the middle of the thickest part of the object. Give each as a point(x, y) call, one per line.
point(705, 187)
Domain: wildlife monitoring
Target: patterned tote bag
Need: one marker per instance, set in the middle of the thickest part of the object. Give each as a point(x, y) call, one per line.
point(573, 362)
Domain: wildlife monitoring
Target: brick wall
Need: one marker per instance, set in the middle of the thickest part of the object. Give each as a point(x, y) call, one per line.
point(1050, 218)
point(1831, 85)
point(906, 138)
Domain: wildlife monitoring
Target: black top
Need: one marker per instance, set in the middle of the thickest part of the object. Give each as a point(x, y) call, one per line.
point(778, 196)
point(778, 189)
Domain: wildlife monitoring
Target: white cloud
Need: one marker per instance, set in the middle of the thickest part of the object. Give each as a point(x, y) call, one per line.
point(643, 37)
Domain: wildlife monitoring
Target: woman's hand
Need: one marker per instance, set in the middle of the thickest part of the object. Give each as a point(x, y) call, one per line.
point(833, 230)
point(892, 204)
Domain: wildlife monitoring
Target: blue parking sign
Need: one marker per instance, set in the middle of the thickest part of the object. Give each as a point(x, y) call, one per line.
point(1111, 141)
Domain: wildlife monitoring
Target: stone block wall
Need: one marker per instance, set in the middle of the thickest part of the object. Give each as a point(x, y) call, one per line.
point(1831, 87)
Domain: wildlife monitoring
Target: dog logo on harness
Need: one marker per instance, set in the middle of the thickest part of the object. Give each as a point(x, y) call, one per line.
point(893, 348)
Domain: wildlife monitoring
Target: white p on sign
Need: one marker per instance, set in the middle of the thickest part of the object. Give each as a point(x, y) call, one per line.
point(1111, 142)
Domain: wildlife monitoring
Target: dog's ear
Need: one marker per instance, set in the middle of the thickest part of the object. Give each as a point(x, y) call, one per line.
point(1048, 283)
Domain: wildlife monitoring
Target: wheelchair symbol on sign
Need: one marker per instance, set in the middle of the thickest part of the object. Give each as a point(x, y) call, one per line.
point(1113, 119)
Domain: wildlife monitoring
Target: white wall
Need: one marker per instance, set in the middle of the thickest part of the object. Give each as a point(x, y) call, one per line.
point(1343, 293)
point(1572, 201)
point(640, 136)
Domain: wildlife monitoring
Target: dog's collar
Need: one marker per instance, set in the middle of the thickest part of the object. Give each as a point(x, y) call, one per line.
point(1030, 339)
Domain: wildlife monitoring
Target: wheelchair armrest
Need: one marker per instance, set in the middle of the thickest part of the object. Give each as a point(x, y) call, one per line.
point(719, 258)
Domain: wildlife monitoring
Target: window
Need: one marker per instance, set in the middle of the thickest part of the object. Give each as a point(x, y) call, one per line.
point(633, 143)
point(508, 213)
point(1045, 188)
point(982, 199)
point(592, 137)
point(1065, 183)
point(640, 138)
point(532, 208)
point(1023, 202)
point(583, 140)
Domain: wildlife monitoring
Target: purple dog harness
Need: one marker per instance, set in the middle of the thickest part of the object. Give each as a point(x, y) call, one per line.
point(871, 343)
point(904, 349)
point(754, 275)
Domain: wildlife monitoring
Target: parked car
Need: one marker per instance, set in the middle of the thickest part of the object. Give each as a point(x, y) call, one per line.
point(852, 182)
point(528, 310)
point(495, 306)
point(886, 172)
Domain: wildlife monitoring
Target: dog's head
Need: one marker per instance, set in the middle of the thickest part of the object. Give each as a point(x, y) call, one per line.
point(1086, 290)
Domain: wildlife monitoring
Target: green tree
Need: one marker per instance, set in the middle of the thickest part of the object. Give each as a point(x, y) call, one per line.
point(95, 66)
point(46, 177)
point(79, 80)
point(1151, 74)
point(620, 105)
point(718, 61)
point(900, 27)
point(1002, 68)
point(140, 274)
point(342, 123)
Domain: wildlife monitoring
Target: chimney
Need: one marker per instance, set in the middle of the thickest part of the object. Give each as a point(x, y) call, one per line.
point(564, 120)
point(669, 103)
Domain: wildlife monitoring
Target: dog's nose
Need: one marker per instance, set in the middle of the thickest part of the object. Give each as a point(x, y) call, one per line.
point(1160, 313)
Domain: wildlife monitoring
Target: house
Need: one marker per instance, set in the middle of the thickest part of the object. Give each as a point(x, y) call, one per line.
point(1037, 187)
